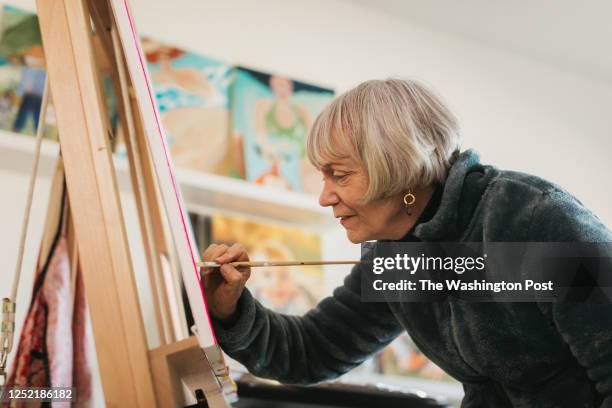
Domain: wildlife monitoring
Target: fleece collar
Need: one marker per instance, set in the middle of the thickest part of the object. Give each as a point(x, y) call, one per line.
point(445, 225)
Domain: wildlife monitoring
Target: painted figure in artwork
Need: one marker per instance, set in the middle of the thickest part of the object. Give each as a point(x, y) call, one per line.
point(188, 80)
point(31, 88)
point(287, 290)
point(271, 117)
point(277, 287)
point(281, 126)
point(191, 94)
point(22, 73)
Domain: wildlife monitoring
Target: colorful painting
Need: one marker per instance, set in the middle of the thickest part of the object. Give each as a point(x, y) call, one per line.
point(271, 116)
point(192, 97)
point(290, 290)
point(22, 74)
point(403, 357)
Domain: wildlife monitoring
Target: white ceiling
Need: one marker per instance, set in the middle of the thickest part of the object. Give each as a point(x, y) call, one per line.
point(571, 34)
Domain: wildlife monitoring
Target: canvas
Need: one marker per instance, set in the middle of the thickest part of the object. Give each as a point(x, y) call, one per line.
point(22, 74)
point(192, 96)
point(271, 117)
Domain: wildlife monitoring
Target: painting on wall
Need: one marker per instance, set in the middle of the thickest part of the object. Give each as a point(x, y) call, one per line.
point(22, 74)
point(192, 97)
point(271, 117)
point(289, 290)
point(403, 357)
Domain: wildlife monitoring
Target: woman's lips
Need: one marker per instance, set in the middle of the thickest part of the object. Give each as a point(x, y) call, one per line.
point(344, 220)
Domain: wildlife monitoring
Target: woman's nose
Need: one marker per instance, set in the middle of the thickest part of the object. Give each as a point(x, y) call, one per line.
point(328, 196)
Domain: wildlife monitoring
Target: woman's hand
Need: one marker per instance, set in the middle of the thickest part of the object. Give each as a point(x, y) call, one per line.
point(224, 285)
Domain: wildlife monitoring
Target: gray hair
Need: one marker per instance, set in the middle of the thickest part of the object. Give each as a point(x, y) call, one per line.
point(400, 130)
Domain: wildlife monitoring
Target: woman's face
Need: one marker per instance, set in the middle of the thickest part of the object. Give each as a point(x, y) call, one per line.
point(344, 184)
point(281, 87)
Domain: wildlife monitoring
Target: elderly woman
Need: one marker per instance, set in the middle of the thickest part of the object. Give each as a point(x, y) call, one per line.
point(389, 154)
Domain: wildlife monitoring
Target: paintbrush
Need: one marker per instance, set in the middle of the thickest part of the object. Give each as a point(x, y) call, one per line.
point(259, 264)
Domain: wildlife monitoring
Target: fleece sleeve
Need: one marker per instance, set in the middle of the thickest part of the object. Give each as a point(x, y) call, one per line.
point(337, 335)
point(585, 327)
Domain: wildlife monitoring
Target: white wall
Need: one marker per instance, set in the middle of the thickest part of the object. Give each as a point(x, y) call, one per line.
point(519, 114)
point(15, 186)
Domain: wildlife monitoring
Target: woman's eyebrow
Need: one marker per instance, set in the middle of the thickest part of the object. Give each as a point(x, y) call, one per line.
point(333, 167)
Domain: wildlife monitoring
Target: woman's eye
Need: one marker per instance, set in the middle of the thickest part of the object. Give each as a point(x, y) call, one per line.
point(338, 177)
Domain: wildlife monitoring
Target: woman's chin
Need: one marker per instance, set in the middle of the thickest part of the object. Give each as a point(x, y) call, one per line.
point(355, 237)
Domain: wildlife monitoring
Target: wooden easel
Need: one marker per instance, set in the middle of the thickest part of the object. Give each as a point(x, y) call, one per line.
point(131, 374)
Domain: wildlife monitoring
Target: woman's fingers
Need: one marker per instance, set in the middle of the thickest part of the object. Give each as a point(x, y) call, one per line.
point(232, 276)
point(214, 251)
point(236, 252)
point(224, 288)
point(223, 255)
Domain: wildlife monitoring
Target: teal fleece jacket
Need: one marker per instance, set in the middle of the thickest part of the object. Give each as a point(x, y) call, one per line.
point(505, 354)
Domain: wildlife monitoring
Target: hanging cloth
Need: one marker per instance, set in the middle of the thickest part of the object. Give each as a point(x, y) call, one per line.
point(55, 346)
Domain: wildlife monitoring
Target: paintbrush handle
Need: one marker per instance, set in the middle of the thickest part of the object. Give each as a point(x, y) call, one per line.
point(258, 264)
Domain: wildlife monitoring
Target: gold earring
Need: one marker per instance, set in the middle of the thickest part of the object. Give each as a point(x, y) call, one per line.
point(409, 200)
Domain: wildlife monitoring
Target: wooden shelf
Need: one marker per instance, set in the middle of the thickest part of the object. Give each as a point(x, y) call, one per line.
point(199, 190)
